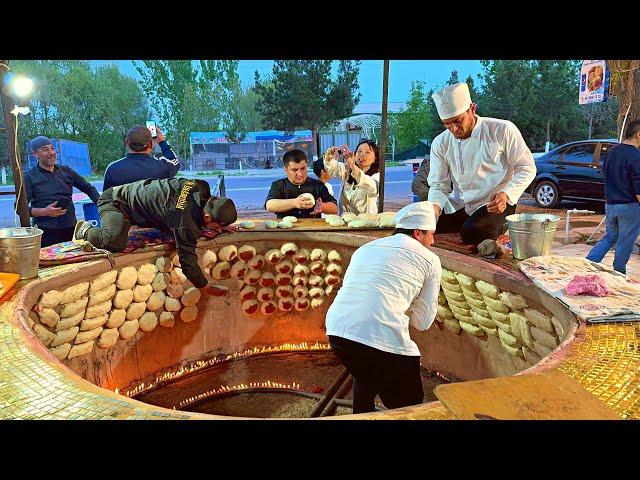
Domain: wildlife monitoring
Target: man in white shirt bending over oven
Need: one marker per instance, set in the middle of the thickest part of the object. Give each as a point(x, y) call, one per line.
point(391, 283)
point(488, 163)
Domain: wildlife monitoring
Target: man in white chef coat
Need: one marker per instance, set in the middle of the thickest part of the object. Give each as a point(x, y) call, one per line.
point(486, 160)
point(391, 283)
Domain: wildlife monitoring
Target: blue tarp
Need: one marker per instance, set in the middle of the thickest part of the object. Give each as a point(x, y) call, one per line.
point(70, 153)
point(251, 137)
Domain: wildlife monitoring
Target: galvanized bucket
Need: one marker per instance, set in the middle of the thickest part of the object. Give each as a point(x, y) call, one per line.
point(531, 234)
point(20, 251)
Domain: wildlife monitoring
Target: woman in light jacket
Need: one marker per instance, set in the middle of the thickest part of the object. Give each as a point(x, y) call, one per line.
point(360, 175)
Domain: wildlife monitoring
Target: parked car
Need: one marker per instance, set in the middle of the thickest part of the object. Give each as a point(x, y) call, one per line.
point(572, 171)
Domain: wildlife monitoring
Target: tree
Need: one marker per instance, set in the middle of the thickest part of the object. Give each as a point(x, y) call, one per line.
point(601, 118)
point(625, 84)
point(186, 98)
point(418, 120)
point(243, 115)
point(302, 94)
point(453, 78)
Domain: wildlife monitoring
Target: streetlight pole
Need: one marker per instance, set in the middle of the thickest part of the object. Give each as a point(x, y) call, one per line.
point(383, 134)
point(10, 125)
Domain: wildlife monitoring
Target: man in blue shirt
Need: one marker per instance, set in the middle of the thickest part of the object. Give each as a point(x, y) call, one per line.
point(622, 194)
point(139, 164)
point(49, 187)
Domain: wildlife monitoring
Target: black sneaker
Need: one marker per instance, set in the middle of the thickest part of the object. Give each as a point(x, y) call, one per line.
point(80, 231)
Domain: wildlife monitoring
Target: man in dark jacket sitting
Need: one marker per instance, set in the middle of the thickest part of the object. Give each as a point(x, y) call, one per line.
point(179, 206)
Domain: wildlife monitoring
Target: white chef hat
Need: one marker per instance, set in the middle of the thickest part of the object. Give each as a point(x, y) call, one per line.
point(452, 100)
point(418, 215)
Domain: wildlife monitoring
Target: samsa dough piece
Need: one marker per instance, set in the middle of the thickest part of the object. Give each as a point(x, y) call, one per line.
point(73, 308)
point(171, 304)
point(270, 224)
point(248, 293)
point(316, 281)
point(488, 290)
point(490, 331)
point(247, 225)
point(301, 304)
point(334, 257)
point(283, 224)
point(454, 303)
point(483, 321)
point(228, 253)
point(273, 256)
point(141, 293)
point(286, 291)
point(449, 277)
point(176, 276)
point(316, 302)
point(256, 263)
point(167, 319)
point(360, 223)
point(328, 290)
point(334, 269)
point(44, 335)
point(458, 297)
point(102, 295)
point(299, 281)
point(316, 267)
point(127, 278)
point(84, 337)
point(515, 351)
point(175, 259)
point(331, 280)
point(250, 307)
point(50, 299)
point(472, 329)
point(81, 349)
point(221, 271)
point(496, 305)
point(163, 264)
point(538, 319)
point(49, 317)
point(452, 325)
point(545, 338)
point(159, 283)
point(479, 304)
point(442, 300)
point(135, 310)
point(252, 277)
point(116, 318)
point(283, 279)
point(300, 291)
point(268, 308)
point(541, 349)
point(103, 281)
point(309, 197)
point(146, 273)
point(336, 222)
point(128, 329)
point(61, 351)
point(289, 249)
point(514, 302)
point(69, 322)
point(98, 310)
point(108, 338)
point(191, 297)
point(65, 336)
point(285, 304)
point(450, 287)
point(520, 329)
point(209, 258)
point(386, 221)
point(175, 291)
point(290, 219)
point(74, 292)
point(246, 252)
point(91, 323)
point(301, 257)
point(265, 294)
point(557, 325)
point(189, 314)
point(465, 318)
point(316, 292)
point(472, 294)
point(467, 282)
point(349, 217)
point(123, 298)
point(267, 279)
point(444, 313)
point(148, 322)
point(508, 339)
point(156, 301)
point(301, 270)
point(531, 356)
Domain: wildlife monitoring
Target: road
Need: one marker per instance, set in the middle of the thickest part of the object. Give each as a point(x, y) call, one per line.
point(247, 191)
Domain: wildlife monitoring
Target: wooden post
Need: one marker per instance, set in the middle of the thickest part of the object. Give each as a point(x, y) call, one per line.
point(383, 134)
point(10, 122)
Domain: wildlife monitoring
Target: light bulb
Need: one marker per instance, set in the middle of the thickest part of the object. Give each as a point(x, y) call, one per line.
point(22, 86)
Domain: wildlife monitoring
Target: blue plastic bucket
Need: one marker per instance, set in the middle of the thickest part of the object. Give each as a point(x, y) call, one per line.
point(91, 213)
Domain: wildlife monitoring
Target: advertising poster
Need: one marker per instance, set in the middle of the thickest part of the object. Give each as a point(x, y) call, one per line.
point(594, 82)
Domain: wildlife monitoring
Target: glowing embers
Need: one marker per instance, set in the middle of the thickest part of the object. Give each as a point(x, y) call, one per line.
point(194, 367)
point(268, 385)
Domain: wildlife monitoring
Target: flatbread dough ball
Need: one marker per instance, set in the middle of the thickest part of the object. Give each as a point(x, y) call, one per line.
point(289, 249)
point(270, 224)
point(156, 301)
point(299, 281)
point(336, 222)
point(163, 264)
point(73, 293)
point(273, 256)
point(191, 297)
point(159, 283)
point(290, 219)
point(146, 273)
point(309, 196)
point(135, 310)
point(175, 291)
point(250, 307)
point(221, 271)
point(228, 253)
point(256, 263)
point(267, 279)
point(172, 304)
point(283, 279)
point(127, 278)
point(167, 319)
point(247, 225)
point(301, 304)
point(116, 318)
point(238, 269)
point(50, 299)
point(349, 217)
point(248, 293)
point(317, 254)
point(128, 329)
point(285, 291)
point(283, 224)
point(285, 304)
point(108, 338)
point(265, 294)
point(246, 252)
point(148, 322)
point(284, 267)
point(316, 267)
point(189, 314)
point(252, 277)
point(103, 281)
point(269, 308)
point(334, 257)
point(300, 291)
point(141, 293)
point(123, 298)
point(209, 258)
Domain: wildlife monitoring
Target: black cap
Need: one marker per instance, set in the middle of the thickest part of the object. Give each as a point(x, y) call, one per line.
point(222, 210)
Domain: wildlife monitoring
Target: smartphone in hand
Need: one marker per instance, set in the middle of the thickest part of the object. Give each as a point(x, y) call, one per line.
point(152, 128)
point(63, 202)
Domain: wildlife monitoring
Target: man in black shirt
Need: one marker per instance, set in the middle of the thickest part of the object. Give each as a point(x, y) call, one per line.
point(179, 206)
point(49, 187)
point(287, 195)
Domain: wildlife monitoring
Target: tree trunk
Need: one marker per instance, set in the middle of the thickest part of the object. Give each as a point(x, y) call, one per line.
point(548, 125)
point(315, 142)
point(590, 123)
point(625, 84)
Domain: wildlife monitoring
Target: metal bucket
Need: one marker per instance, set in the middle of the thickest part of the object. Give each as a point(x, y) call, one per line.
point(531, 234)
point(20, 251)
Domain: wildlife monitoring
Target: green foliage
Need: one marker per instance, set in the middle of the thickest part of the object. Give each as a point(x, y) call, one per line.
point(73, 102)
point(416, 120)
point(301, 93)
point(243, 115)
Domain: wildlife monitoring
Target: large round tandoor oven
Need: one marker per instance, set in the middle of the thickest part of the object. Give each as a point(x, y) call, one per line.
point(259, 349)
